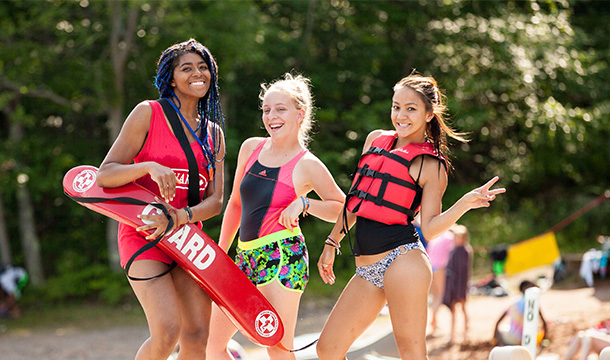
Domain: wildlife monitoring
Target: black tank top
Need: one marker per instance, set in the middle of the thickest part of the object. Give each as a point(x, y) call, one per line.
point(374, 237)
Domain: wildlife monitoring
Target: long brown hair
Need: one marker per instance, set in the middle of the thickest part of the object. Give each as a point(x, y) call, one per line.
point(438, 129)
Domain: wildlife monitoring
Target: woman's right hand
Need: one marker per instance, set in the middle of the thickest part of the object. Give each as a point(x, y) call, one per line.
point(165, 179)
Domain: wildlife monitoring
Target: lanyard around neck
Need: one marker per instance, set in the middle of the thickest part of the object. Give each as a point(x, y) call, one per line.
point(189, 126)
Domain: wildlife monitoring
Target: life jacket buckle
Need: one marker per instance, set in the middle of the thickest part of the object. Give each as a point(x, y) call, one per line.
point(369, 172)
point(360, 194)
point(376, 150)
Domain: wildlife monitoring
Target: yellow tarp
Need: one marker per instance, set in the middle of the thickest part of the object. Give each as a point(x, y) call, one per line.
point(539, 250)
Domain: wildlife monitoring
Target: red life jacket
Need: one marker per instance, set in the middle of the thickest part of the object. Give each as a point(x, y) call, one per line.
point(383, 190)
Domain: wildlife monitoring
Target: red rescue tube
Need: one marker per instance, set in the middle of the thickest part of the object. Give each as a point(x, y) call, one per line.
point(193, 250)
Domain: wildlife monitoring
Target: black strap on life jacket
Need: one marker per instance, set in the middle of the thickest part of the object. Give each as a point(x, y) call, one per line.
point(385, 179)
point(149, 245)
point(193, 190)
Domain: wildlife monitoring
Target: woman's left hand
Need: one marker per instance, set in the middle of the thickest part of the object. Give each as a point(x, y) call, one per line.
point(483, 195)
point(325, 265)
point(158, 221)
point(289, 218)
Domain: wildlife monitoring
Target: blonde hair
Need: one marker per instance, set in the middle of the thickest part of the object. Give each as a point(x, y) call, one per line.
point(298, 88)
point(461, 231)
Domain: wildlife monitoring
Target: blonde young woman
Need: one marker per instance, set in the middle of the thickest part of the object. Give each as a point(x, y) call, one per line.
point(274, 174)
point(401, 172)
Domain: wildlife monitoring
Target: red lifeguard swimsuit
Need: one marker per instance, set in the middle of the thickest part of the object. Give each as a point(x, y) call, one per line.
point(163, 147)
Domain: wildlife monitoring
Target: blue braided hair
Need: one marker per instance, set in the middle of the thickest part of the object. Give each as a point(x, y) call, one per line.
point(208, 108)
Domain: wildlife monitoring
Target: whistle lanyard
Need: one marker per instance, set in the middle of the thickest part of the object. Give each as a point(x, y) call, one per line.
point(189, 126)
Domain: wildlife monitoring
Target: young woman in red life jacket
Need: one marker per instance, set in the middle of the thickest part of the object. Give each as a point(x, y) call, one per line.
point(401, 172)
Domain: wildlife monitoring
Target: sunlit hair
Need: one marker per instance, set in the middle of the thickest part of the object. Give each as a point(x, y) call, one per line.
point(208, 108)
point(460, 230)
point(437, 130)
point(298, 88)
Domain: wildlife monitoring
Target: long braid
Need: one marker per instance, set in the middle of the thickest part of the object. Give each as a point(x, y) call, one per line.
point(208, 107)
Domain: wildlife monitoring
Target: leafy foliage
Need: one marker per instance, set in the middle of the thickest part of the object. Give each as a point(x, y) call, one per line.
point(529, 81)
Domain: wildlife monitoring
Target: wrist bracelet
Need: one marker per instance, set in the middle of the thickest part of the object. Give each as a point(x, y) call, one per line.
point(332, 242)
point(305, 205)
point(189, 214)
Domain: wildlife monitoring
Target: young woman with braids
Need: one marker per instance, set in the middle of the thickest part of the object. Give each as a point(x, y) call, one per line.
point(274, 174)
point(401, 172)
point(148, 152)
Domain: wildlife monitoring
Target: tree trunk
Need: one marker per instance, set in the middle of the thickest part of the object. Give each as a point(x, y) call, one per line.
point(306, 38)
point(5, 246)
point(25, 208)
point(29, 239)
point(121, 43)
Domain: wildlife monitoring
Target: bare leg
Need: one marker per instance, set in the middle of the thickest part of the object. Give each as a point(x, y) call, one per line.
point(162, 312)
point(463, 303)
point(221, 331)
point(286, 303)
point(406, 283)
point(452, 331)
point(342, 327)
point(195, 309)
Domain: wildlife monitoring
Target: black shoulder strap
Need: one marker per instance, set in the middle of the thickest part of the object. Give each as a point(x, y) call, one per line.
point(193, 191)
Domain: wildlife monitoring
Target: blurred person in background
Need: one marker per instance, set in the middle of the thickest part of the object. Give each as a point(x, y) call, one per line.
point(438, 251)
point(12, 281)
point(510, 332)
point(459, 267)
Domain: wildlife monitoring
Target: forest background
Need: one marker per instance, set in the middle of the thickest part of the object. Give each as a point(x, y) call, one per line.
point(528, 80)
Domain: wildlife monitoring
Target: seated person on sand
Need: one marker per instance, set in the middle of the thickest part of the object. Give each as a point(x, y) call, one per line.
point(510, 333)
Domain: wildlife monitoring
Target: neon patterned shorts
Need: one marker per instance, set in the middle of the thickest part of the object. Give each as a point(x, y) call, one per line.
point(275, 256)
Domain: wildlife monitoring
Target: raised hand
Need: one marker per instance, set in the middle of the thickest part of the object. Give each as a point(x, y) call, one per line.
point(483, 195)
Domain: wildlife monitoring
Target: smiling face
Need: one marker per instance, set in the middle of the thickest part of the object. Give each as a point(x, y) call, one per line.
point(409, 115)
point(280, 115)
point(192, 76)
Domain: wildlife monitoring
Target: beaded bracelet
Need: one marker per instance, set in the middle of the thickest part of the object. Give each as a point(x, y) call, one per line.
point(189, 214)
point(305, 205)
point(332, 242)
